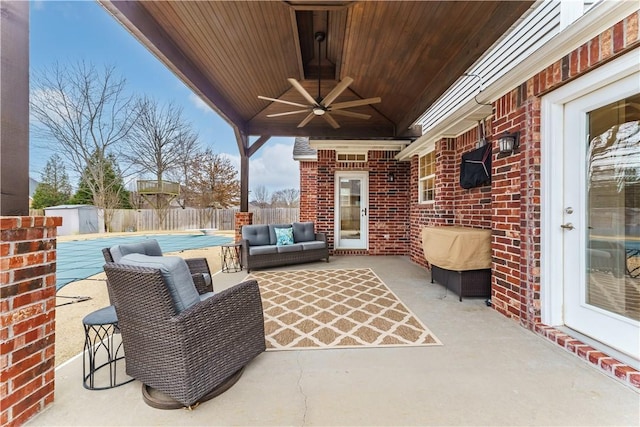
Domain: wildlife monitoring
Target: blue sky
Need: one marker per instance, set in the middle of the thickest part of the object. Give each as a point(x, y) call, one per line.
point(69, 31)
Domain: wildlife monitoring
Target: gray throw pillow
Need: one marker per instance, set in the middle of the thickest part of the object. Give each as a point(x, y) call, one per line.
point(303, 232)
point(257, 235)
point(176, 274)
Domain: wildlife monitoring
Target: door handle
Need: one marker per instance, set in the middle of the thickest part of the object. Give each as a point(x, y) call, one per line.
point(364, 211)
point(567, 226)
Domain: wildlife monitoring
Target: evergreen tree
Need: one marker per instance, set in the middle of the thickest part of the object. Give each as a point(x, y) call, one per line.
point(54, 188)
point(115, 195)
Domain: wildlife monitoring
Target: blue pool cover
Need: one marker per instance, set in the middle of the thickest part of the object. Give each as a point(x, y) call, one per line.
point(79, 259)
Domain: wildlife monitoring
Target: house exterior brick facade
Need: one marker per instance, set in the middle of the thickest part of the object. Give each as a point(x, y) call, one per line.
point(388, 201)
point(510, 205)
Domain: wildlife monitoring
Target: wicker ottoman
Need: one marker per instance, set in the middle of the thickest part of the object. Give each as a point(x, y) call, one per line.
point(469, 283)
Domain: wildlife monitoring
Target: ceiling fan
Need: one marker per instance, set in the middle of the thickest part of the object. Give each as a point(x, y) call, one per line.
point(323, 106)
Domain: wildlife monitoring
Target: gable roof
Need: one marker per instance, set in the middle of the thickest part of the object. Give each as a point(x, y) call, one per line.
point(303, 151)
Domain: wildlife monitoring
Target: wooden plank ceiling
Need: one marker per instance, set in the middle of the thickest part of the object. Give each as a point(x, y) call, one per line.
point(408, 53)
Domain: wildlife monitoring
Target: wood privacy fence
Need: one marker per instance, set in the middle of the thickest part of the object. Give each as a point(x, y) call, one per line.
point(186, 219)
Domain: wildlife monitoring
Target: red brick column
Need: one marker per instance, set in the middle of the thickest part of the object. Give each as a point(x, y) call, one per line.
point(507, 203)
point(242, 218)
point(325, 215)
point(27, 319)
point(308, 191)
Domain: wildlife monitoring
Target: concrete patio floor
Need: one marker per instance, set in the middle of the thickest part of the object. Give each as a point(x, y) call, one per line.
point(489, 371)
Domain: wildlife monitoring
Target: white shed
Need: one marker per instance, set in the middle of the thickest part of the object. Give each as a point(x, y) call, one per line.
point(76, 219)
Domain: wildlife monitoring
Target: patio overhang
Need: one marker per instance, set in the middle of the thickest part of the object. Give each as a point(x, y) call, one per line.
point(229, 53)
point(407, 53)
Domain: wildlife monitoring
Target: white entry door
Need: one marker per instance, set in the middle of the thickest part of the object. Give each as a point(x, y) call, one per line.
point(601, 215)
point(351, 198)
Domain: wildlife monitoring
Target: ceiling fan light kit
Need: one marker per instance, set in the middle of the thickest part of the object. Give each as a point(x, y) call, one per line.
point(323, 106)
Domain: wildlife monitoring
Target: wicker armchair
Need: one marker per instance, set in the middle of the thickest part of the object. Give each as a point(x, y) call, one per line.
point(185, 355)
point(199, 267)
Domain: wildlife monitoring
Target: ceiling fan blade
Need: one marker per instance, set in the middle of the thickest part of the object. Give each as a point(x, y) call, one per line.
point(306, 120)
point(351, 114)
point(281, 101)
point(356, 103)
point(302, 91)
point(336, 91)
point(330, 120)
point(288, 113)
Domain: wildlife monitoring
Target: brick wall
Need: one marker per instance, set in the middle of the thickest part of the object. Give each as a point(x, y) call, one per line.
point(388, 201)
point(472, 206)
point(308, 191)
point(326, 168)
point(453, 205)
point(442, 210)
point(27, 322)
point(506, 287)
point(241, 219)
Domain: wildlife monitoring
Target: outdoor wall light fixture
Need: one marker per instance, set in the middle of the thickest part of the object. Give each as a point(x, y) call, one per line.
point(508, 142)
point(391, 177)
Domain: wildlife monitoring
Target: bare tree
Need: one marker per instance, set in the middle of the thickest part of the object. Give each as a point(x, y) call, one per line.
point(89, 116)
point(214, 183)
point(160, 139)
point(261, 196)
point(183, 173)
point(287, 198)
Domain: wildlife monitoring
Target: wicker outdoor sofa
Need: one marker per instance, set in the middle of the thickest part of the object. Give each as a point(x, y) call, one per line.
point(281, 244)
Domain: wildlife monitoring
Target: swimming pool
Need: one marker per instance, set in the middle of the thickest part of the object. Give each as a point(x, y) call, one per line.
point(79, 259)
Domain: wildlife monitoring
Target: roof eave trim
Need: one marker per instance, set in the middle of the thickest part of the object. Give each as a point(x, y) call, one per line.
point(306, 158)
point(359, 144)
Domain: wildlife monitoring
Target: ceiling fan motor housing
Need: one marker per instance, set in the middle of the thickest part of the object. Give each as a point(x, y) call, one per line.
point(318, 110)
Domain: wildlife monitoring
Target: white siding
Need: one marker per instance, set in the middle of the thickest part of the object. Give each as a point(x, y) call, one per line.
point(526, 36)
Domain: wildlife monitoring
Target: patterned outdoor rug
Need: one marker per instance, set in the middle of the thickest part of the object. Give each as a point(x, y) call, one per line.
point(314, 309)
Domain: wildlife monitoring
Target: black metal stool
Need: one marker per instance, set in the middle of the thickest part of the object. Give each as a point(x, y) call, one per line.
point(231, 258)
point(99, 329)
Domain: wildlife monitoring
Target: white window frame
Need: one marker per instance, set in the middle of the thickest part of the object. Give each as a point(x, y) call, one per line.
point(352, 153)
point(423, 179)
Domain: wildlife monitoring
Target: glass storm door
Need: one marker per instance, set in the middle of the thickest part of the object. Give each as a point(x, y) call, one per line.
point(351, 210)
point(601, 228)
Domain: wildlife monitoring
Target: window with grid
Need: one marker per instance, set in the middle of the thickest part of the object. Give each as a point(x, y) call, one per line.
point(352, 157)
point(427, 177)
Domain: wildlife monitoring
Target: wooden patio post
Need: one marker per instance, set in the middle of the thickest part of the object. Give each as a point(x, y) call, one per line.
point(14, 108)
point(246, 152)
point(243, 148)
